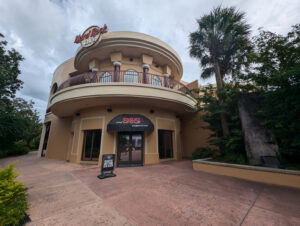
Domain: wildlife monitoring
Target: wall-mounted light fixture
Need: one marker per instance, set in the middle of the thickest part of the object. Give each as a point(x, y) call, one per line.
point(109, 110)
point(151, 111)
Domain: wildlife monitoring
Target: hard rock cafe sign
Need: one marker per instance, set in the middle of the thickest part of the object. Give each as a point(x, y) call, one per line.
point(90, 36)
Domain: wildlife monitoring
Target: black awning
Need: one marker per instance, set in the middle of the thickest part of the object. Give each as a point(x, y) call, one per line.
point(130, 122)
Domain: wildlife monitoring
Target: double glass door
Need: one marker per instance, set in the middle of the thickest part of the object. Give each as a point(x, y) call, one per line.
point(130, 149)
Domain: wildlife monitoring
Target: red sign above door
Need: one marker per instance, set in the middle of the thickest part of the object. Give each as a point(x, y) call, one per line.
point(131, 120)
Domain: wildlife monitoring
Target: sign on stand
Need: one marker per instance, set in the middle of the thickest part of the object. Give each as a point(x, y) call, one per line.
point(107, 167)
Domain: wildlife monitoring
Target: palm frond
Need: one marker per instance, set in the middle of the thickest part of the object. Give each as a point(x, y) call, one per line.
point(207, 72)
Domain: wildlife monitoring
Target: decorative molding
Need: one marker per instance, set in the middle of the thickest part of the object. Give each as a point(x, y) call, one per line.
point(146, 66)
point(117, 63)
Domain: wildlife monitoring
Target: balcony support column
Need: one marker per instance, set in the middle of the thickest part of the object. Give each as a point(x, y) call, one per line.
point(166, 80)
point(117, 65)
point(145, 73)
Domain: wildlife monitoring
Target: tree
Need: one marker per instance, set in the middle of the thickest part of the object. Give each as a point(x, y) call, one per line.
point(221, 44)
point(9, 71)
point(18, 119)
point(229, 148)
point(277, 72)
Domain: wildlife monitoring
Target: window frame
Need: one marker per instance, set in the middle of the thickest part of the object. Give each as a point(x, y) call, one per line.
point(131, 73)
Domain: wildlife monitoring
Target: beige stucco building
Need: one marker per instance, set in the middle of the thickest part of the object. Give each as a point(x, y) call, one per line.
point(121, 94)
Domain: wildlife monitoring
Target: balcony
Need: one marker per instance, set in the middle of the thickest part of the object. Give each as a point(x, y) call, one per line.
point(129, 76)
point(121, 87)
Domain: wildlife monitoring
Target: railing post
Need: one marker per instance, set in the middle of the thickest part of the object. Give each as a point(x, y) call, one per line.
point(166, 80)
point(117, 65)
point(145, 73)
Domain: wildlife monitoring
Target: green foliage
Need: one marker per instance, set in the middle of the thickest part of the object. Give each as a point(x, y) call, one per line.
point(9, 71)
point(13, 203)
point(221, 44)
point(223, 37)
point(20, 147)
point(271, 63)
point(18, 120)
point(34, 143)
point(203, 152)
point(230, 148)
point(277, 71)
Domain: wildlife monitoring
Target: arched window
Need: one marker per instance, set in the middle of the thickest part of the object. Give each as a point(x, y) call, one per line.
point(105, 78)
point(131, 76)
point(54, 89)
point(156, 80)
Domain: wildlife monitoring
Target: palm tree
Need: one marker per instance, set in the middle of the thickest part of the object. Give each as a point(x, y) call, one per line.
point(220, 44)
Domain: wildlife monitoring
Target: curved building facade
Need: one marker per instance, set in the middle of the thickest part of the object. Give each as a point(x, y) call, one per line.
point(121, 94)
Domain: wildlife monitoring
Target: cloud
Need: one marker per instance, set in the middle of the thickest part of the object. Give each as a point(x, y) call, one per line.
point(43, 31)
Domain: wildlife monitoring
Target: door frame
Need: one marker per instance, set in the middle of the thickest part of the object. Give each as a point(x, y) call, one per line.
point(84, 146)
point(130, 163)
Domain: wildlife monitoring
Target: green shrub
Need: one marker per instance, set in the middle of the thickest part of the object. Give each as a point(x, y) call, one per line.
point(18, 148)
point(3, 153)
point(232, 157)
point(13, 203)
point(203, 152)
point(34, 143)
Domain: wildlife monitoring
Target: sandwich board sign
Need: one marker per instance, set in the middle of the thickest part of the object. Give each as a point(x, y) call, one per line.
point(107, 166)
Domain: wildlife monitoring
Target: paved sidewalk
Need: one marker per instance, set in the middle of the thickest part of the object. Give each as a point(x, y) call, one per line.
point(170, 193)
point(58, 198)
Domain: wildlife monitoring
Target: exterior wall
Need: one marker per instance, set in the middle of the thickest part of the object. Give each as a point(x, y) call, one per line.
point(193, 135)
point(58, 137)
point(259, 174)
point(131, 44)
point(66, 134)
point(62, 72)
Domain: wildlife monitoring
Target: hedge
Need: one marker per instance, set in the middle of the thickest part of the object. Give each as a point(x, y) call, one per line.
point(13, 203)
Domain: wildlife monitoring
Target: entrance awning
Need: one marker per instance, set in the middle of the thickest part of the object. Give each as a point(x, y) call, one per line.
point(130, 122)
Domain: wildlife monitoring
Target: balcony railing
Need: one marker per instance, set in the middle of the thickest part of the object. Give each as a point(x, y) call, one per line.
point(129, 76)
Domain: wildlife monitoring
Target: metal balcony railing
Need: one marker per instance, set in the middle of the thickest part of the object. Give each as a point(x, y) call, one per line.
point(129, 76)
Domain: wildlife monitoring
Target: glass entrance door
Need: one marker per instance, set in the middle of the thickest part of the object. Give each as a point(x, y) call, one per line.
point(91, 145)
point(130, 149)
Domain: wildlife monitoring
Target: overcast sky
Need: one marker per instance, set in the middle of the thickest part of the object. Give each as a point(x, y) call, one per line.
point(43, 31)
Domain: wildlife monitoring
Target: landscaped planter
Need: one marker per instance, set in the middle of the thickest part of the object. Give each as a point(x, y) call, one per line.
point(255, 173)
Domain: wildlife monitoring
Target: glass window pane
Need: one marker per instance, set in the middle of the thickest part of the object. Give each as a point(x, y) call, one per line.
point(105, 78)
point(131, 76)
point(124, 146)
point(96, 144)
point(156, 81)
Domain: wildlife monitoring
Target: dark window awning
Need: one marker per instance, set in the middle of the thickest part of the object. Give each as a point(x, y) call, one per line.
point(130, 122)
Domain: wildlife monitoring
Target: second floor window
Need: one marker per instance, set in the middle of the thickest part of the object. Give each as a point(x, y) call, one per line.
point(156, 81)
point(131, 76)
point(54, 89)
point(105, 78)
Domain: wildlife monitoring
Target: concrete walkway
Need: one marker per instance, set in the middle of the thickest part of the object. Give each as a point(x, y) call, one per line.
point(164, 194)
point(58, 198)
